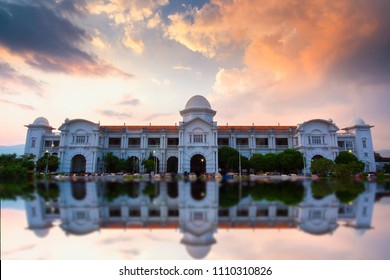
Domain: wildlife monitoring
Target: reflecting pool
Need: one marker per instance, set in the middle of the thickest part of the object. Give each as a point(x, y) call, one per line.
point(107, 218)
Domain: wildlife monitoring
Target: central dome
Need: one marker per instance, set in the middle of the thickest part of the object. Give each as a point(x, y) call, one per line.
point(198, 101)
point(41, 121)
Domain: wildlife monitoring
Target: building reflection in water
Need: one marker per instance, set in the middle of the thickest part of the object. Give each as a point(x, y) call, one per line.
point(197, 208)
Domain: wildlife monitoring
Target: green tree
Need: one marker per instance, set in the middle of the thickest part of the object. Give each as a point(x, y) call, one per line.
point(270, 162)
point(111, 162)
point(322, 166)
point(289, 161)
point(345, 158)
point(386, 168)
point(257, 162)
point(49, 161)
point(228, 159)
point(347, 165)
point(148, 164)
point(13, 167)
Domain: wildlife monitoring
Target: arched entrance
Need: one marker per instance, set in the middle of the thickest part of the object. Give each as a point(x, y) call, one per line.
point(198, 189)
point(317, 157)
point(172, 164)
point(198, 164)
point(79, 190)
point(78, 164)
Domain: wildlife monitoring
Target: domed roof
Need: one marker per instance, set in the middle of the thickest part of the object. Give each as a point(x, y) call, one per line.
point(41, 121)
point(198, 252)
point(41, 232)
point(357, 121)
point(198, 101)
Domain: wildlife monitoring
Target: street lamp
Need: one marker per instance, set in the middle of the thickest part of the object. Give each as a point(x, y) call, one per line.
point(239, 162)
point(155, 162)
point(47, 161)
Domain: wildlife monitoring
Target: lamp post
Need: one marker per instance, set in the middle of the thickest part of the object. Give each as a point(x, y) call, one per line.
point(239, 162)
point(155, 162)
point(47, 161)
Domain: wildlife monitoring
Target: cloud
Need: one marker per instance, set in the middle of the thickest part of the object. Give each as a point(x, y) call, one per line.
point(127, 99)
point(48, 41)
point(179, 67)
point(11, 78)
point(156, 116)
point(130, 18)
point(158, 82)
point(115, 114)
point(307, 54)
point(22, 106)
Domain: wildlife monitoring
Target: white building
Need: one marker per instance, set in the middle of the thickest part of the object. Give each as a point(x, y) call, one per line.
point(192, 146)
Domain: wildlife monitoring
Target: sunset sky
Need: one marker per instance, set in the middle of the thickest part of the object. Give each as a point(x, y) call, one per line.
point(138, 62)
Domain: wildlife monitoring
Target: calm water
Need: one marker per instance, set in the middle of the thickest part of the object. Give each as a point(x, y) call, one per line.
point(269, 219)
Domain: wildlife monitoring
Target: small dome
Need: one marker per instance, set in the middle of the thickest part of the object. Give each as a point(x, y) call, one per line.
point(42, 232)
point(41, 121)
point(198, 101)
point(357, 121)
point(198, 252)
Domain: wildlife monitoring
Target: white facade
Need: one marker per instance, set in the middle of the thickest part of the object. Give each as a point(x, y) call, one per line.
point(192, 146)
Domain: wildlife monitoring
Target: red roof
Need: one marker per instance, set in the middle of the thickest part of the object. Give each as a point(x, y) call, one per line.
point(224, 128)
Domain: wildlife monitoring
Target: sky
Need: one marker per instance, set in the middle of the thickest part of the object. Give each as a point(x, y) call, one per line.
point(138, 62)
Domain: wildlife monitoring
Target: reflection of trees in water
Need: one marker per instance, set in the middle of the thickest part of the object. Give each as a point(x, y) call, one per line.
point(322, 188)
point(288, 192)
point(112, 190)
point(345, 190)
point(48, 190)
point(13, 190)
point(230, 194)
point(152, 190)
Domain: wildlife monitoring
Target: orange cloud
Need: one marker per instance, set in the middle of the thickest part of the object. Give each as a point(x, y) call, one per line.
point(287, 39)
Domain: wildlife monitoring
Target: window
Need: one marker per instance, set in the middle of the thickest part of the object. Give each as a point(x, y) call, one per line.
point(114, 212)
point(282, 212)
point(173, 141)
point(56, 144)
point(33, 143)
point(80, 215)
point(153, 141)
point(80, 139)
point(315, 214)
point(365, 154)
point(242, 141)
point(316, 139)
point(341, 144)
point(173, 213)
point(198, 216)
point(114, 142)
point(349, 145)
point(364, 143)
point(262, 142)
point(223, 141)
point(281, 141)
point(47, 144)
point(197, 138)
point(134, 142)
